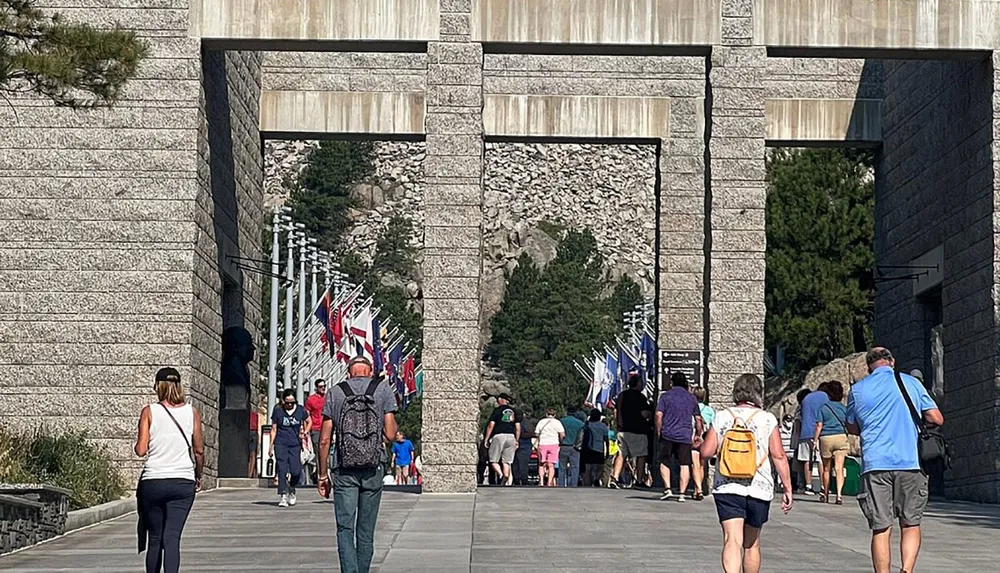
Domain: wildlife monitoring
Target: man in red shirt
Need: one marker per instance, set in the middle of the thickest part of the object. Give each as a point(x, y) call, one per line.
point(314, 406)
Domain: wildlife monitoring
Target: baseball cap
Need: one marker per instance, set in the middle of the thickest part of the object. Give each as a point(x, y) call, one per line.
point(168, 375)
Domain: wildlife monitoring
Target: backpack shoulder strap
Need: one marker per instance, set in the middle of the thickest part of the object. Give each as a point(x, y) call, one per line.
point(346, 389)
point(372, 387)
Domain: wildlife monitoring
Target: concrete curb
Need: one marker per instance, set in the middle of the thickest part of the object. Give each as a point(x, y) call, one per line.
point(86, 517)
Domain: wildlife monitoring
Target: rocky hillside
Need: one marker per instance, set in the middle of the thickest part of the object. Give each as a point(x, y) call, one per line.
point(531, 191)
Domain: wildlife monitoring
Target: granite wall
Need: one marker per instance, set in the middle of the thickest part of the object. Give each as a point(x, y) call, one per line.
point(97, 249)
point(936, 186)
point(229, 213)
point(114, 230)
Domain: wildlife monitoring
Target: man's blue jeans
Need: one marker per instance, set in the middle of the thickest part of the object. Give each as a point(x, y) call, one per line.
point(356, 497)
point(569, 466)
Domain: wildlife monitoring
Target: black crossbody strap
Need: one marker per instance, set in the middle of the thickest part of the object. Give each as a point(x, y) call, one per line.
point(181, 430)
point(832, 411)
point(909, 404)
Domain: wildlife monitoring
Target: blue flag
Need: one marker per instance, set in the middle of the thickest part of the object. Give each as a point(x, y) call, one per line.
point(378, 361)
point(395, 369)
point(614, 386)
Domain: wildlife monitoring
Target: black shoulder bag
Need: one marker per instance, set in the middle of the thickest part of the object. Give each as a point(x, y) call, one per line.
point(931, 447)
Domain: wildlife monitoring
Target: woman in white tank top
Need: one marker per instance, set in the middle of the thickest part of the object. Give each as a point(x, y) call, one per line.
point(170, 439)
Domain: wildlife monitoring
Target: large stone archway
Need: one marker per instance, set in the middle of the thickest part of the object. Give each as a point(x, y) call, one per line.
point(120, 222)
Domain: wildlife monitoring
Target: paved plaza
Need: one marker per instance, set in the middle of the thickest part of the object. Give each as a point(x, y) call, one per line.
point(513, 529)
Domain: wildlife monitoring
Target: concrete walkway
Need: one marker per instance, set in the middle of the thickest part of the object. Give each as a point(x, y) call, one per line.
point(514, 529)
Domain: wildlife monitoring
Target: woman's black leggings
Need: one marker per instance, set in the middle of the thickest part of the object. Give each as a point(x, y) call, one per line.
point(166, 505)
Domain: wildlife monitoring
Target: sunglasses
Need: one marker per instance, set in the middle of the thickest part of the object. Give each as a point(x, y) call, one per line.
point(287, 403)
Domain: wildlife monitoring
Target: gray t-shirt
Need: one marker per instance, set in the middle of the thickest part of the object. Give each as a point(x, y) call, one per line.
point(385, 401)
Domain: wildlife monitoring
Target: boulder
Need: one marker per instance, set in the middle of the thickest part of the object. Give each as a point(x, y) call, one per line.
point(540, 246)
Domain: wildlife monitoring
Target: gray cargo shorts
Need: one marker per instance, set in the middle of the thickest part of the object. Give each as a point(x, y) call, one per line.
point(888, 496)
point(633, 445)
point(502, 448)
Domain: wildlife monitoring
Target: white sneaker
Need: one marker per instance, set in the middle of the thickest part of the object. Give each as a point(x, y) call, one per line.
point(680, 498)
point(284, 500)
point(808, 491)
point(292, 500)
point(667, 494)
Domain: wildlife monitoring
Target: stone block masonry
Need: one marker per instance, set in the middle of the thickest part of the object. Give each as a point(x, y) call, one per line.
point(736, 201)
point(103, 201)
point(454, 164)
point(940, 123)
point(30, 514)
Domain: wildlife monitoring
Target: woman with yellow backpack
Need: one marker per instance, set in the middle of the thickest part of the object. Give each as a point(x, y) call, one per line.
point(747, 442)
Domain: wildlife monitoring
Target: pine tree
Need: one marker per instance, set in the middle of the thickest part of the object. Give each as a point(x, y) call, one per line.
point(820, 229)
point(322, 198)
point(548, 319)
point(74, 65)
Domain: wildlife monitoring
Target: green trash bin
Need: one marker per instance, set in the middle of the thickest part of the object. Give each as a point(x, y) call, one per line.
point(852, 483)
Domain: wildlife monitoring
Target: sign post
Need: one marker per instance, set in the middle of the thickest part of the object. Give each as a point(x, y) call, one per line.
point(688, 362)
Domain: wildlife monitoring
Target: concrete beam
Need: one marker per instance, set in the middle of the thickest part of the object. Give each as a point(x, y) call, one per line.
point(576, 116)
point(363, 113)
point(324, 20)
point(823, 120)
point(647, 22)
point(878, 24)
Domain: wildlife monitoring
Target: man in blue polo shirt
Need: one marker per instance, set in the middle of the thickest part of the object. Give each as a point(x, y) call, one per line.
point(893, 487)
point(811, 406)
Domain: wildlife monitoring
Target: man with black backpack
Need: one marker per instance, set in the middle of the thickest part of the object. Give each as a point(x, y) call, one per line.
point(893, 426)
point(361, 412)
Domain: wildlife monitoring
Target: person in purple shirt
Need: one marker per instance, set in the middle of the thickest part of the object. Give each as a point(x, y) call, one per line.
point(676, 409)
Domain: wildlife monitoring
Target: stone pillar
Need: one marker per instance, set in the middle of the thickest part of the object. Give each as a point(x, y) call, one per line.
point(682, 228)
point(452, 254)
point(737, 197)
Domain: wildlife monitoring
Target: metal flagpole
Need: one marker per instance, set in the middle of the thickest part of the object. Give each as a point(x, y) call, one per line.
point(290, 301)
point(300, 370)
point(272, 350)
point(314, 267)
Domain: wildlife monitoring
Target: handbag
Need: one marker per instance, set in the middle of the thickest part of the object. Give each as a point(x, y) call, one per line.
point(307, 456)
point(931, 445)
point(181, 430)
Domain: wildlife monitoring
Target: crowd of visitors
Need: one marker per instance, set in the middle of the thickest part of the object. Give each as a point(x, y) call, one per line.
point(349, 434)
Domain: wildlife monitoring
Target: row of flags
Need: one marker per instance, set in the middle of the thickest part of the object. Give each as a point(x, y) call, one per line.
point(608, 370)
point(348, 325)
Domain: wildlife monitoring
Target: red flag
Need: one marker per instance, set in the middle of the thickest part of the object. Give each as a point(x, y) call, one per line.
point(410, 375)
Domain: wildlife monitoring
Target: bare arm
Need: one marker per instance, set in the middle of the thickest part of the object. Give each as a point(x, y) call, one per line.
point(777, 452)
point(710, 445)
point(198, 445)
point(390, 426)
point(659, 422)
point(142, 437)
point(489, 432)
point(934, 417)
point(819, 428)
point(699, 429)
point(517, 431)
point(325, 435)
point(307, 424)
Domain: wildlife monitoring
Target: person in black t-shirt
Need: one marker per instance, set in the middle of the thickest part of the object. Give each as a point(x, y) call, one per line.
point(633, 412)
point(502, 434)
